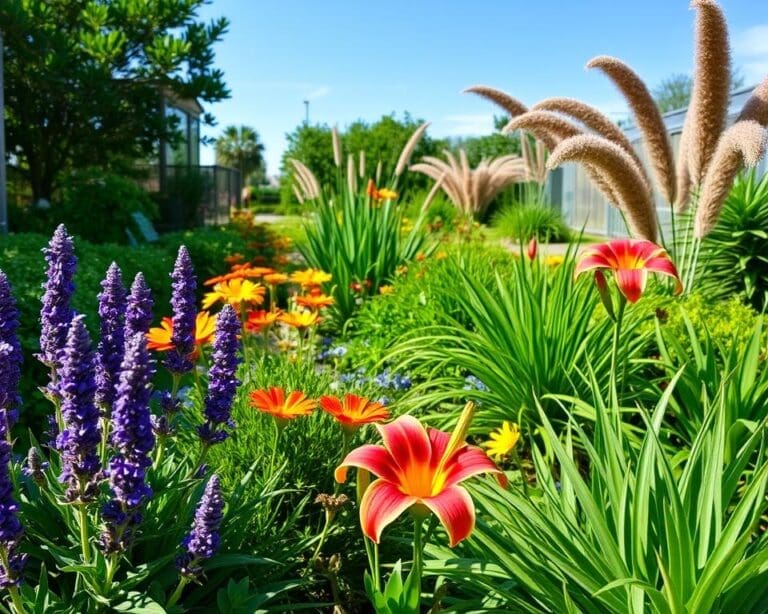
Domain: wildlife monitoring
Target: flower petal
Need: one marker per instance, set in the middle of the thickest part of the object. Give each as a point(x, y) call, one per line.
point(631, 282)
point(662, 264)
point(407, 442)
point(375, 459)
point(455, 510)
point(593, 259)
point(467, 462)
point(382, 503)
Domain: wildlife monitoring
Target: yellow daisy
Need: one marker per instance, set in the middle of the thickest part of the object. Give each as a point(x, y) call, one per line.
point(503, 440)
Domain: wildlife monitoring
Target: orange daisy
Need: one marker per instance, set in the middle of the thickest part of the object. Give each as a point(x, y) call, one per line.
point(234, 292)
point(239, 272)
point(315, 301)
point(234, 259)
point(159, 338)
point(258, 320)
point(275, 278)
point(354, 411)
point(275, 403)
point(300, 319)
point(310, 277)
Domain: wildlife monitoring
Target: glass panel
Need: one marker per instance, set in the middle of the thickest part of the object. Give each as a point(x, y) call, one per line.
point(194, 141)
point(178, 154)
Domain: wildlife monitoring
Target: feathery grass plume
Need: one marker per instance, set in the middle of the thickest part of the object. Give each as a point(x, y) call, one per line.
point(648, 118)
point(298, 194)
point(351, 176)
point(336, 146)
point(407, 152)
point(550, 127)
point(535, 160)
point(472, 190)
point(711, 86)
point(510, 104)
point(742, 144)
point(306, 180)
point(361, 165)
point(633, 196)
point(432, 193)
point(379, 168)
point(756, 108)
point(682, 173)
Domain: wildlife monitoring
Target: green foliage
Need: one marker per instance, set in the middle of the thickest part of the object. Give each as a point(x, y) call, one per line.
point(622, 527)
point(182, 198)
point(734, 256)
point(441, 215)
point(522, 222)
point(207, 246)
point(240, 148)
point(103, 67)
point(487, 146)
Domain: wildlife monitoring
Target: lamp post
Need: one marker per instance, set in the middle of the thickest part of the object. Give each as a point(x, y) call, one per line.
point(3, 180)
point(306, 112)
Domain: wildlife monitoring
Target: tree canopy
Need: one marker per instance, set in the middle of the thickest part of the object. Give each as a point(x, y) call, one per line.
point(240, 148)
point(84, 79)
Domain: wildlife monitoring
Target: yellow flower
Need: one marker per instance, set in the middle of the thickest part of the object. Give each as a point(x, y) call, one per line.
point(275, 278)
point(503, 440)
point(234, 292)
point(310, 277)
point(300, 319)
point(387, 194)
point(554, 260)
point(387, 289)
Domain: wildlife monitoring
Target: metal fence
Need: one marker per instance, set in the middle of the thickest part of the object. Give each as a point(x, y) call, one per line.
point(193, 196)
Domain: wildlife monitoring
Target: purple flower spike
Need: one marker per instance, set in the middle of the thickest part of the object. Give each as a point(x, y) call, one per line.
point(138, 313)
point(183, 284)
point(59, 286)
point(78, 442)
point(10, 527)
point(202, 542)
point(11, 356)
point(112, 307)
point(222, 380)
point(133, 440)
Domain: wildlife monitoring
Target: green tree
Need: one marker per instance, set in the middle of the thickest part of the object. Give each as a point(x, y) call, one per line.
point(674, 92)
point(240, 148)
point(84, 79)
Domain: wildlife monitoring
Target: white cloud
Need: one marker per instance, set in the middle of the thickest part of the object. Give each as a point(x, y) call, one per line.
point(319, 92)
point(466, 124)
point(751, 50)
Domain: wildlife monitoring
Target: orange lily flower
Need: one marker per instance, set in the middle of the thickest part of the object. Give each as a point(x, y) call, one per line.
point(418, 467)
point(234, 292)
point(382, 194)
point(354, 411)
point(315, 301)
point(257, 320)
point(630, 260)
point(300, 319)
point(310, 277)
point(239, 272)
point(275, 403)
point(159, 338)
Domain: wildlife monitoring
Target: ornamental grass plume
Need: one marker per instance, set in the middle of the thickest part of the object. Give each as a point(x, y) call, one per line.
point(11, 356)
point(510, 104)
point(222, 379)
point(202, 542)
point(407, 151)
point(138, 310)
point(549, 127)
point(634, 197)
point(742, 144)
point(648, 119)
point(351, 176)
point(109, 354)
point(336, 142)
point(184, 309)
point(133, 440)
point(308, 184)
point(756, 107)
point(361, 165)
point(59, 286)
point(11, 560)
point(78, 442)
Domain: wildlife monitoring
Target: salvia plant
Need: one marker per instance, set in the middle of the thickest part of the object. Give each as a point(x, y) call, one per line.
point(100, 516)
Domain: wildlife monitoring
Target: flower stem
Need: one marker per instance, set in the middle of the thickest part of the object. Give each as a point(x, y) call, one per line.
point(18, 604)
point(111, 569)
point(323, 535)
point(615, 348)
point(177, 593)
point(83, 517)
point(418, 548)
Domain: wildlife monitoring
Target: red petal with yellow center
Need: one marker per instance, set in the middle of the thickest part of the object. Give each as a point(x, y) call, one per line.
point(407, 442)
point(375, 459)
point(631, 283)
point(382, 503)
point(455, 510)
point(468, 462)
point(663, 265)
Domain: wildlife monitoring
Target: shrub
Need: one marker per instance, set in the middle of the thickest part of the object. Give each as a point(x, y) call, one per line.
point(522, 222)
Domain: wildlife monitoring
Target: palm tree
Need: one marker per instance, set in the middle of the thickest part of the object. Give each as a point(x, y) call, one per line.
point(240, 148)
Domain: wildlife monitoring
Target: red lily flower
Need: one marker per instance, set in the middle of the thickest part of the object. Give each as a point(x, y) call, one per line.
point(418, 466)
point(630, 260)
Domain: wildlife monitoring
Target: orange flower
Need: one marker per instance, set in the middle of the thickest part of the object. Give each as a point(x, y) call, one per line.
point(234, 259)
point(159, 338)
point(257, 320)
point(354, 411)
point(315, 301)
point(275, 278)
point(630, 260)
point(387, 289)
point(274, 403)
point(310, 277)
point(300, 319)
point(234, 292)
point(421, 257)
point(382, 194)
point(239, 272)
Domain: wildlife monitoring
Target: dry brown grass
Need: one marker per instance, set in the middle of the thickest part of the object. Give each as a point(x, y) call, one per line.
point(407, 152)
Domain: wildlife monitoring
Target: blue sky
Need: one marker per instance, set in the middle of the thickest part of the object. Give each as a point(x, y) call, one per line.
point(363, 59)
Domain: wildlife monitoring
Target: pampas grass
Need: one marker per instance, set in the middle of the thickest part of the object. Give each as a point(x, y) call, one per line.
point(361, 165)
point(742, 144)
point(756, 108)
point(711, 87)
point(306, 180)
point(407, 152)
point(544, 125)
point(511, 105)
point(648, 119)
point(620, 170)
point(336, 141)
point(351, 175)
point(472, 190)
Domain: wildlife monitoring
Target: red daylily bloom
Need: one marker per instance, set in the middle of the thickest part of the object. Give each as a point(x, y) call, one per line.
point(630, 260)
point(418, 466)
point(533, 248)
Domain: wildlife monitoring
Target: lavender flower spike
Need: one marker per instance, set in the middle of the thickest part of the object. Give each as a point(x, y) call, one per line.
point(112, 308)
point(222, 380)
point(133, 440)
point(78, 442)
point(59, 286)
point(203, 540)
point(11, 356)
point(10, 527)
point(138, 313)
point(184, 314)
